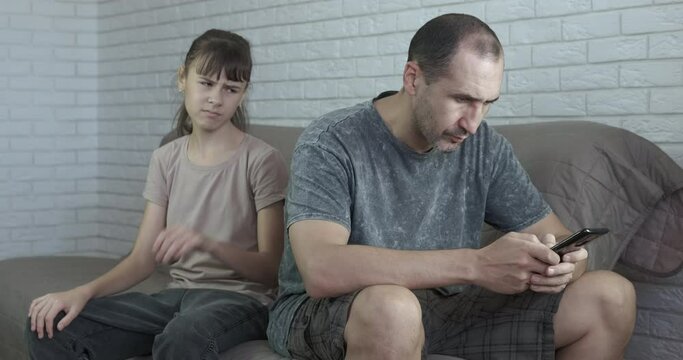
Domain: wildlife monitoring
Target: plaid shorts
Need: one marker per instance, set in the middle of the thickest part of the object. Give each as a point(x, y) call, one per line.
point(473, 324)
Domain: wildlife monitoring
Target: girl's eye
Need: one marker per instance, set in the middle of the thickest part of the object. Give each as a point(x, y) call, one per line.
point(205, 83)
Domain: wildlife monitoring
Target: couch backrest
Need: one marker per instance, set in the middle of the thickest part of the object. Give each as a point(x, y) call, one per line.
point(281, 138)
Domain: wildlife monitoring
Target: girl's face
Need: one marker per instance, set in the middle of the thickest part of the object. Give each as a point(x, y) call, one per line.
point(211, 101)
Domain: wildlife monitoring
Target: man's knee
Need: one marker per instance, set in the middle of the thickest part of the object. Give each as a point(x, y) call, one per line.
point(389, 312)
point(613, 294)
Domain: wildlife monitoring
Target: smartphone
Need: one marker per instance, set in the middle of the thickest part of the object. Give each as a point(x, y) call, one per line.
point(578, 239)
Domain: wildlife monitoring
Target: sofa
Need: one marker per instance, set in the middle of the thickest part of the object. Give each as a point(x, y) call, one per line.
point(591, 174)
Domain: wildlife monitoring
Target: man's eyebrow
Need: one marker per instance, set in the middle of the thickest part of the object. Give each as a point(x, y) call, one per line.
point(472, 98)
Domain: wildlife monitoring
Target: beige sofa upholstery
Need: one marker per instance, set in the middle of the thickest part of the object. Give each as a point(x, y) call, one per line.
point(591, 174)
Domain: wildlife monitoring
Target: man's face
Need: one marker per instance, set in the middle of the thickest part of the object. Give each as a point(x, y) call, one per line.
point(451, 107)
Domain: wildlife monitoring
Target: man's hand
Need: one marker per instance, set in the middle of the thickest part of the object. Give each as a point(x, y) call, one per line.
point(44, 309)
point(507, 265)
point(175, 242)
point(556, 277)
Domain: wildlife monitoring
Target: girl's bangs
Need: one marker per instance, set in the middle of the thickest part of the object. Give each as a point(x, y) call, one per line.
point(219, 58)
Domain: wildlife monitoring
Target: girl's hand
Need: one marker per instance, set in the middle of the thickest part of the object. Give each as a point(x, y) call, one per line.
point(175, 242)
point(44, 309)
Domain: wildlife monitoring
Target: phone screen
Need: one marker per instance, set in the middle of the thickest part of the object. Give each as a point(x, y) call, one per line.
point(578, 239)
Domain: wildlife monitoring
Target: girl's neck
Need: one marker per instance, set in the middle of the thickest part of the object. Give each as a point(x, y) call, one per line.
point(212, 148)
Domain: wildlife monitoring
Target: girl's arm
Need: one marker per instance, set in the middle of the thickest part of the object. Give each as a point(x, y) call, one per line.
point(260, 266)
point(131, 270)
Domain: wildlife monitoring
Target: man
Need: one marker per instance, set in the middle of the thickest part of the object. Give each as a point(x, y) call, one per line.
point(384, 211)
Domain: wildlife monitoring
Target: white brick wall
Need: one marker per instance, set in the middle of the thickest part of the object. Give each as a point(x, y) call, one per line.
point(87, 87)
point(43, 47)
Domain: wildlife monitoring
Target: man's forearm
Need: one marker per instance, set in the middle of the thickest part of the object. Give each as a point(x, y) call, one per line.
point(340, 269)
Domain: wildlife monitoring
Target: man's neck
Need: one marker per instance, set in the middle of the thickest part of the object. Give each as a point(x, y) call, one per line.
point(396, 112)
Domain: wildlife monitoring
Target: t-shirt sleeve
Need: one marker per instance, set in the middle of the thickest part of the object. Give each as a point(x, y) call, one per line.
point(513, 202)
point(156, 189)
point(269, 179)
point(319, 187)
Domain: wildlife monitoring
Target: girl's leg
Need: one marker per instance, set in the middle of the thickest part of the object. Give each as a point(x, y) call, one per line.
point(116, 327)
point(210, 322)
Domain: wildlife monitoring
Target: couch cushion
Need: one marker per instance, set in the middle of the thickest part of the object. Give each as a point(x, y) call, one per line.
point(595, 175)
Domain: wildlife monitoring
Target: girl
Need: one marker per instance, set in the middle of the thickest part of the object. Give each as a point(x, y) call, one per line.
point(214, 213)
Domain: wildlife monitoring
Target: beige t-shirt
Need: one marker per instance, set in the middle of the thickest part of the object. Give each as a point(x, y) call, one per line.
point(219, 201)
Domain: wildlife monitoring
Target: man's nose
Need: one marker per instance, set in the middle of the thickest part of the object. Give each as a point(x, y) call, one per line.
point(474, 114)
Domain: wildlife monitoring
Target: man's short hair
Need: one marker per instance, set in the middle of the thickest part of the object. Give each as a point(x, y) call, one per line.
point(436, 42)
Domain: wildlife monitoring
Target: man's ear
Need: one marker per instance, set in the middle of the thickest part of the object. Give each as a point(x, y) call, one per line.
point(411, 75)
point(181, 78)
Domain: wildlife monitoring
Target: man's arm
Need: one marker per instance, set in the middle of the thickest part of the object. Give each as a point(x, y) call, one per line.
point(330, 267)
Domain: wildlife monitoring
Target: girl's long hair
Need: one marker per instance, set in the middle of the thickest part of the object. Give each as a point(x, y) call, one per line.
point(213, 52)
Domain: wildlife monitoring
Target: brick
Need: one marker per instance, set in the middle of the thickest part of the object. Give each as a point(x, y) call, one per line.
point(617, 102)
point(87, 10)
point(377, 24)
point(511, 105)
point(54, 38)
point(17, 128)
point(653, 73)
point(121, 171)
point(412, 20)
point(114, 216)
point(590, 26)
point(42, 233)
point(88, 156)
point(16, 7)
point(652, 19)
point(353, 88)
point(54, 128)
point(14, 68)
point(54, 98)
point(87, 40)
point(32, 202)
point(122, 202)
point(15, 158)
point(562, 7)
point(394, 44)
point(123, 157)
point(618, 4)
point(82, 84)
point(559, 104)
point(589, 77)
point(119, 246)
point(76, 230)
point(55, 158)
point(31, 83)
point(358, 46)
point(617, 49)
point(77, 54)
point(28, 173)
point(125, 186)
point(666, 100)
point(503, 10)
point(322, 50)
point(359, 7)
point(89, 99)
point(339, 28)
point(32, 113)
point(560, 54)
point(75, 201)
point(477, 9)
point(375, 66)
point(76, 113)
point(14, 188)
point(502, 31)
point(666, 45)
point(11, 249)
point(54, 187)
point(31, 22)
point(320, 89)
point(534, 80)
point(87, 69)
point(73, 172)
point(30, 52)
point(536, 31)
point(54, 68)
point(394, 5)
point(16, 219)
point(32, 143)
point(54, 217)
point(656, 128)
point(322, 69)
point(303, 109)
point(8, 36)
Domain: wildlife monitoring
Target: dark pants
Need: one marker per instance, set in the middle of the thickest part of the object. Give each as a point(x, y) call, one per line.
point(171, 324)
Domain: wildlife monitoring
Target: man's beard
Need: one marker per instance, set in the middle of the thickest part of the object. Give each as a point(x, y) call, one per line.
point(425, 125)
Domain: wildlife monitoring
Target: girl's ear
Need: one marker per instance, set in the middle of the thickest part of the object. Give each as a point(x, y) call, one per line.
point(181, 78)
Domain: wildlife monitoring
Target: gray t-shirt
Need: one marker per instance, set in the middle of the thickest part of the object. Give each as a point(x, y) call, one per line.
point(348, 168)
